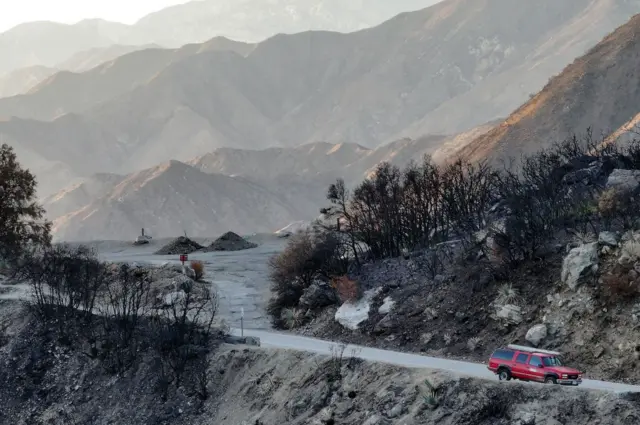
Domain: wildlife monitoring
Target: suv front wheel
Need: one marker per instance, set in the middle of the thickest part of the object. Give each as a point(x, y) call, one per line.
point(504, 374)
point(550, 380)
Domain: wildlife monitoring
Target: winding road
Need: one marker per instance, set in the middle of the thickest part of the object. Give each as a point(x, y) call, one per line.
point(240, 279)
point(313, 345)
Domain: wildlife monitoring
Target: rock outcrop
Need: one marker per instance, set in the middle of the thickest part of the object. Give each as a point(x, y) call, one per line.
point(624, 180)
point(579, 263)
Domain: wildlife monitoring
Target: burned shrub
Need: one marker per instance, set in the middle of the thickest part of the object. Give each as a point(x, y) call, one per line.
point(123, 306)
point(616, 206)
point(309, 255)
point(182, 335)
point(66, 282)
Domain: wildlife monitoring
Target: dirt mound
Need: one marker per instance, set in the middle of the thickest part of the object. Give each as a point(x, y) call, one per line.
point(230, 242)
point(181, 245)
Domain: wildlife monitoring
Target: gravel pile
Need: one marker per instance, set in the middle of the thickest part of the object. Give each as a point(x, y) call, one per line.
point(181, 245)
point(230, 242)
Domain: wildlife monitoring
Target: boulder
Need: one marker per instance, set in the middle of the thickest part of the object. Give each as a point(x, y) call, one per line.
point(386, 306)
point(351, 315)
point(318, 295)
point(608, 239)
point(579, 263)
point(510, 313)
point(624, 180)
point(536, 334)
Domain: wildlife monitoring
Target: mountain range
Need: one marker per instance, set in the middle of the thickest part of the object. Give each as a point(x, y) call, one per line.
point(441, 70)
point(265, 127)
point(49, 43)
point(290, 181)
point(22, 80)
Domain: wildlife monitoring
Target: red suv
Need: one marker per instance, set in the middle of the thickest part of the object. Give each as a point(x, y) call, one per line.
point(532, 364)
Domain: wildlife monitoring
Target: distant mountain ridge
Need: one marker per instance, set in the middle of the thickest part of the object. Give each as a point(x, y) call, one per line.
point(23, 80)
point(440, 70)
point(174, 197)
point(49, 43)
point(286, 184)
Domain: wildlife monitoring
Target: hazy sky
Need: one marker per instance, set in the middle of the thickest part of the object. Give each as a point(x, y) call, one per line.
point(14, 12)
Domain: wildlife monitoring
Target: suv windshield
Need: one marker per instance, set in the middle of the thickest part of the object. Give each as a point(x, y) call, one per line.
point(551, 361)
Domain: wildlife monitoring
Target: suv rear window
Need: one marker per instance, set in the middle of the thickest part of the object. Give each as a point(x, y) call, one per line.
point(522, 358)
point(503, 354)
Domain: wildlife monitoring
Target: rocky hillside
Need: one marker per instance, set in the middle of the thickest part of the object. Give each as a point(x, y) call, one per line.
point(167, 200)
point(598, 90)
point(51, 383)
point(48, 43)
point(572, 284)
point(366, 87)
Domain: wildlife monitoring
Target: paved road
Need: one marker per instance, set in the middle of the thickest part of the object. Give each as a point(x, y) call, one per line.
point(313, 345)
point(240, 279)
point(300, 343)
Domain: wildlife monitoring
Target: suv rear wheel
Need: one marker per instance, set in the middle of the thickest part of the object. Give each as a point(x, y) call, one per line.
point(504, 374)
point(550, 380)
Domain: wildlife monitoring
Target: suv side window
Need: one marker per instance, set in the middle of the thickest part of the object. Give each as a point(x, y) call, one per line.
point(522, 358)
point(535, 361)
point(503, 355)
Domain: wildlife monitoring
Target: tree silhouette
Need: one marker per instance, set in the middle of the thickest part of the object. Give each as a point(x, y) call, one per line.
point(22, 223)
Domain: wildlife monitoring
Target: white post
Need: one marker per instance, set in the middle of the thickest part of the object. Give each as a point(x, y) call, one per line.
point(242, 321)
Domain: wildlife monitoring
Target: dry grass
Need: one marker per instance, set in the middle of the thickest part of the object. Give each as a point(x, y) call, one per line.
point(348, 290)
point(507, 294)
point(292, 317)
point(473, 343)
point(585, 237)
point(198, 269)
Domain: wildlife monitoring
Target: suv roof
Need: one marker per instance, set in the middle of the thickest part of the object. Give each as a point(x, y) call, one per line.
point(533, 350)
